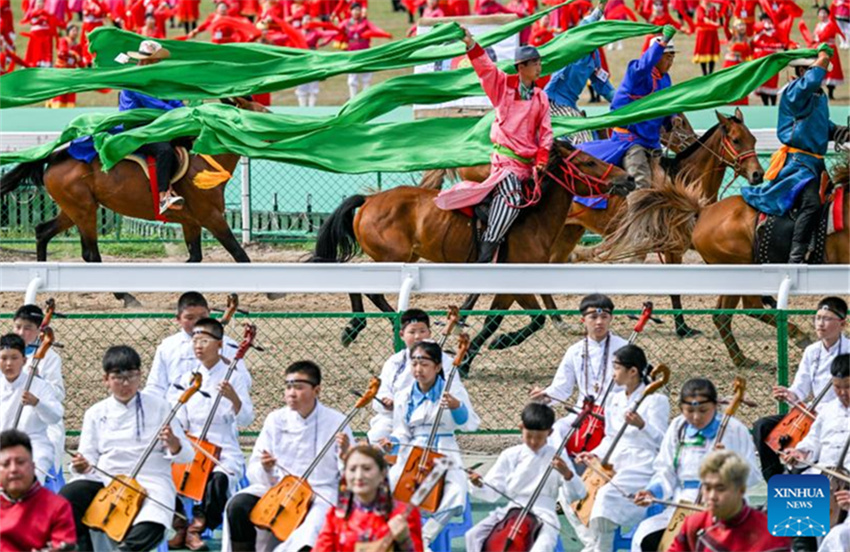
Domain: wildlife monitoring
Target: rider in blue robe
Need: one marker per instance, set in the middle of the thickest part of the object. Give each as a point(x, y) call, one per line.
point(804, 129)
point(633, 147)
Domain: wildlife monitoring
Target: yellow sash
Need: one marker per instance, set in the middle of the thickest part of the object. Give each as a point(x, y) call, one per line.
point(777, 160)
point(206, 179)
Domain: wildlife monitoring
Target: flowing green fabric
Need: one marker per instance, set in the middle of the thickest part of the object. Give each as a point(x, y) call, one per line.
point(108, 42)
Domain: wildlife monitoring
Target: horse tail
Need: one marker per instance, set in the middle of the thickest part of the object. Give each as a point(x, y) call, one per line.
point(657, 219)
point(336, 242)
point(433, 179)
point(31, 173)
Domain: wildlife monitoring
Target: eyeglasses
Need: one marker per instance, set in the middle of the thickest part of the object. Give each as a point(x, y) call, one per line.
point(125, 379)
point(826, 319)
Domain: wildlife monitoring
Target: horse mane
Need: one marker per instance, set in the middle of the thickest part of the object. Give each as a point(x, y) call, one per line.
point(660, 218)
point(671, 165)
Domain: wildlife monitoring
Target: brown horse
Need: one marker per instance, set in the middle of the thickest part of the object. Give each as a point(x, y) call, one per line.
point(79, 188)
point(404, 225)
point(722, 233)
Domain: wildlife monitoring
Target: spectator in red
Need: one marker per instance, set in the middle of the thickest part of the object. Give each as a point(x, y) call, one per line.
point(490, 7)
point(43, 31)
point(767, 41)
point(659, 16)
point(541, 32)
point(433, 9)
point(7, 22)
point(745, 11)
point(343, 8)
point(358, 33)
point(226, 29)
point(95, 13)
point(69, 55)
point(841, 12)
point(150, 28)
point(188, 13)
point(738, 50)
point(707, 45)
point(457, 8)
point(317, 34)
point(827, 31)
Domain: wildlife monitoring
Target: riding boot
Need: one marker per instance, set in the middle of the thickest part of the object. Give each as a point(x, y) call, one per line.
point(193, 534)
point(178, 541)
point(806, 223)
point(487, 251)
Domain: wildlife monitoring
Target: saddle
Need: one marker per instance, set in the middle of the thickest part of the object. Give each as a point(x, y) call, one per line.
point(183, 160)
point(772, 243)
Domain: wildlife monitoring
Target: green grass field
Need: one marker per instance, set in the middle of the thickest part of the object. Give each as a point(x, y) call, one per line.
point(335, 91)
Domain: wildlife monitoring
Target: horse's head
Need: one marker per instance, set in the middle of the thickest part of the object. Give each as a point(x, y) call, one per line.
point(585, 174)
point(738, 147)
point(247, 103)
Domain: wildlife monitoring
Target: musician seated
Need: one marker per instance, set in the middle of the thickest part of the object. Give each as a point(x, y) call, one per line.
point(40, 405)
point(728, 523)
point(396, 375)
point(289, 442)
point(635, 452)
point(27, 324)
point(31, 517)
point(414, 415)
point(517, 474)
point(690, 437)
point(838, 537)
point(812, 376)
point(826, 439)
point(234, 411)
point(116, 432)
point(175, 356)
point(365, 510)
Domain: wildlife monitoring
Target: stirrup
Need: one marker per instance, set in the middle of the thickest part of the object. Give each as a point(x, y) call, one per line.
point(171, 202)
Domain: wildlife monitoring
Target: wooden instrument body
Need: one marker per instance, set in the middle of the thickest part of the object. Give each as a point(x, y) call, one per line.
point(416, 468)
point(674, 526)
point(836, 513)
point(115, 507)
point(590, 434)
point(284, 507)
point(593, 481)
point(524, 534)
point(191, 479)
point(792, 429)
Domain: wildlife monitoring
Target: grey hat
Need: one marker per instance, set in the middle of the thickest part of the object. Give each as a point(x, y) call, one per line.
point(526, 53)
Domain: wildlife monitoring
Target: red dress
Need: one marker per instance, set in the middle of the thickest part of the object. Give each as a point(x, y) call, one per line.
point(540, 34)
point(342, 534)
point(746, 532)
point(738, 52)
point(7, 22)
point(457, 8)
point(707, 46)
point(38, 520)
point(827, 32)
point(745, 10)
point(188, 11)
point(42, 33)
point(68, 56)
point(764, 44)
point(660, 19)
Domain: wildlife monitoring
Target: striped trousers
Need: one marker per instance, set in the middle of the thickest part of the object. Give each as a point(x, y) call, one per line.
point(507, 194)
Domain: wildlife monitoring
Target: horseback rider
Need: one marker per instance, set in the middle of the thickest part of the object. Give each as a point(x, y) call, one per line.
point(634, 146)
point(521, 136)
point(793, 178)
point(151, 52)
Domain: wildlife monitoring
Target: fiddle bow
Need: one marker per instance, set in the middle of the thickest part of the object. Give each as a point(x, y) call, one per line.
point(191, 479)
point(44, 341)
point(116, 506)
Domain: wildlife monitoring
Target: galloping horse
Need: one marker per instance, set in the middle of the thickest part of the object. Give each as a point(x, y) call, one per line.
point(722, 233)
point(404, 224)
point(79, 188)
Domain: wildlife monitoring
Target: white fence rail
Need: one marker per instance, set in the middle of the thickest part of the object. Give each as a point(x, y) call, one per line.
point(405, 279)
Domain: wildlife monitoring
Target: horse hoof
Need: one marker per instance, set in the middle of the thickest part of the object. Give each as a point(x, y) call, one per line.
point(500, 342)
point(686, 332)
point(563, 327)
point(275, 296)
point(351, 331)
point(130, 302)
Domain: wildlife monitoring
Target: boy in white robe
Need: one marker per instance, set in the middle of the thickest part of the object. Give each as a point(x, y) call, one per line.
point(27, 323)
point(689, 438)
point(290, 440)
point(174, 357)
point(41, 407)
point(517, 473)
point(635, 452)
point(234, 410)
point(414, 414)
point(116, 432)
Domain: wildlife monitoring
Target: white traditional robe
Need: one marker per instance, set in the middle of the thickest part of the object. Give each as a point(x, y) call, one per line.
point(813, 371)
point(175, 357)
point(516, 473)
point(50, 370)
point(676, 469)
point(34, 419)
point(828, 434)
point(224, 430)
point(295, 442)
point(114, 438)
point(838, 538)
point(395, 376)
point(415, 429)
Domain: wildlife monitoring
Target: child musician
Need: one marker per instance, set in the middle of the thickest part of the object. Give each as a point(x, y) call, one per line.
point(414, 414)
point(518, 472)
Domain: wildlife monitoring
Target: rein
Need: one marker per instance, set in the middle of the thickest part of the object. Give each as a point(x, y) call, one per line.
point(572, 173)
point(728, 148)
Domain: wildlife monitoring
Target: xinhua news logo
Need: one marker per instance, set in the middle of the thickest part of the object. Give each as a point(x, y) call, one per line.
point(798, 506)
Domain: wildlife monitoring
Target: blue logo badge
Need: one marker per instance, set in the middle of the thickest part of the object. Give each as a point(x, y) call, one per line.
point(798, 505)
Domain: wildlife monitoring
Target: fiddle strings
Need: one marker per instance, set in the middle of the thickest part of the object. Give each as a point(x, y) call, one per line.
point(211, 458)
point(829, 471)
point(300, 482)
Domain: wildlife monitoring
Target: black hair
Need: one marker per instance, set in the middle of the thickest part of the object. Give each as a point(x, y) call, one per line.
point(765, 17)
point(415, 315)
point(212, 326)
point(632, 356)
point(824, 8)
point(698, 387)
point(13, 341)
point(596, 301)
point(835, 305)
point(538, 417)
point(430, 348)
point(191, 299)
point(71, 26)
point(841, 366)
point(15, 438)
point(356, 5)
point(30, 313)
point(306, 367)
point(121, 358)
